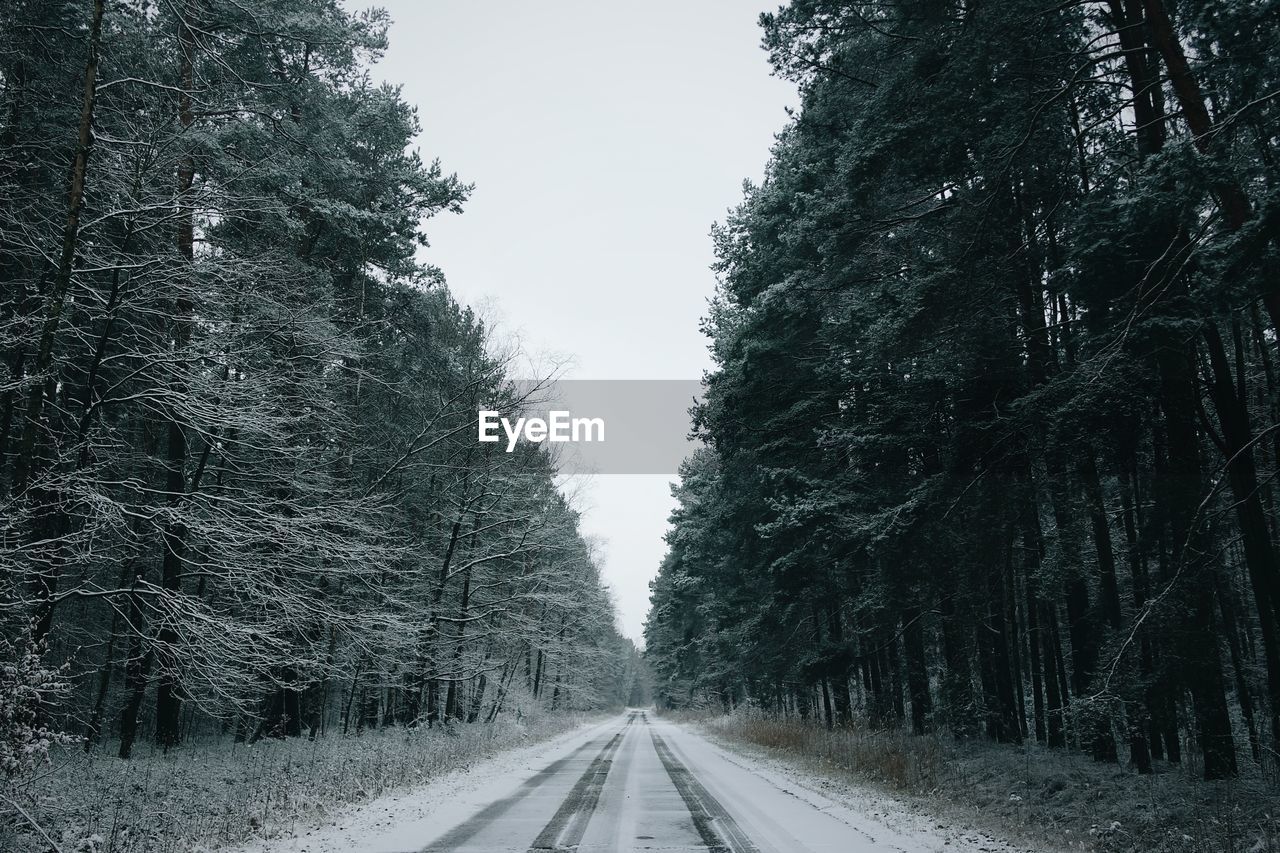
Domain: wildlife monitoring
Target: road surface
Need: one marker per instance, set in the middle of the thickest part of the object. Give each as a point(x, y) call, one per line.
point(643, 784)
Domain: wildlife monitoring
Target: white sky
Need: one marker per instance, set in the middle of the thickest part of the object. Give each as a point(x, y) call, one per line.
point(604, 137)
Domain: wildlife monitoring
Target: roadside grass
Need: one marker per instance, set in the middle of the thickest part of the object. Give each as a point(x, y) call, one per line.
point(213, 794)
point(1029, 794)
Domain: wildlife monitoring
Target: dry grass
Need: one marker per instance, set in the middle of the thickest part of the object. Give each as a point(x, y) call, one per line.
point(1040, 797)
point(897, 761)
point(205, 796)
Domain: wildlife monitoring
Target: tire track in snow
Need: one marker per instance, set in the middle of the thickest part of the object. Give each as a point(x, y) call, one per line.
point(717, 828)
point(464, 832)
point(565, 829)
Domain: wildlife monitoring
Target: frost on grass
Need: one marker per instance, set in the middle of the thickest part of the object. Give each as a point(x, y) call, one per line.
point(209, 795)
point(1051, 799)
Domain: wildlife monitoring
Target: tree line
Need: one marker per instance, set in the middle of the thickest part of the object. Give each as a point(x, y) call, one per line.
point(992, 432)
point(240, 491)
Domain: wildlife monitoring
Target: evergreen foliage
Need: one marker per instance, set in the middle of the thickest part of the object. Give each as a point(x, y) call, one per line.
point(992, 430)
point(239, 486)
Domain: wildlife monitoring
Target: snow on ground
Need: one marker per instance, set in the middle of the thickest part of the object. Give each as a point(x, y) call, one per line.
point(406, 820)
point(214, 793)
point(1044, 798)
point(780, 807)
point(820, 813)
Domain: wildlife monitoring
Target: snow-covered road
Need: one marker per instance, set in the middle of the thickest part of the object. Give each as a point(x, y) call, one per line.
point(633, 783)
point(645, 784)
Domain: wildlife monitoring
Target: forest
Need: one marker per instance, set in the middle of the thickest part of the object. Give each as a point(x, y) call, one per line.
point(240, 493)
point(992, 435)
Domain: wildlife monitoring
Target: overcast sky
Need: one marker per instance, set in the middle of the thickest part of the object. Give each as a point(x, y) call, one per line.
point(604, 137)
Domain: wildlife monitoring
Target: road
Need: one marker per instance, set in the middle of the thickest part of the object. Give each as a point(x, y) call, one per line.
point(644, 784)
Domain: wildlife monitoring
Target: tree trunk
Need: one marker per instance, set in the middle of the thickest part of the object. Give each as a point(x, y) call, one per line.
point(1196, 637)
point(917, 672)
point(1055, 683)
point(1032, 556)
point(1259, 553)
point(169, 691)
point(56, 299)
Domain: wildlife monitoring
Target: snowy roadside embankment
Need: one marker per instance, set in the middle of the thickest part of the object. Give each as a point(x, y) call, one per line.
point(1047, 799)
point(207, 797)
point(785, 807)
point(408, 818)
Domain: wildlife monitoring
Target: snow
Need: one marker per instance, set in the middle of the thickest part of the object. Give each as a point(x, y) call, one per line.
point(410, 818)
point(778, 807)
point(785, 809)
